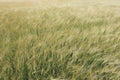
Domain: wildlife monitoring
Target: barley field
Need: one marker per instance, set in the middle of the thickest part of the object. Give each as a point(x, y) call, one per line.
point(60, 40)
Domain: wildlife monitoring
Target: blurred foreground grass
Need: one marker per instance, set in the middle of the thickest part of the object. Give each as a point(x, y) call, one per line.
point(73, 40)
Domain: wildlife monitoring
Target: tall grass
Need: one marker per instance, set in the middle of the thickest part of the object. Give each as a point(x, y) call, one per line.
point(70, 40)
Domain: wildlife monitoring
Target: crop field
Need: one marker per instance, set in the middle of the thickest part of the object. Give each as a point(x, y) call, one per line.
point(60, 40)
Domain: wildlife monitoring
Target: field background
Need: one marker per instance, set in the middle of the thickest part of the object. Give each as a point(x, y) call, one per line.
point(60, 39)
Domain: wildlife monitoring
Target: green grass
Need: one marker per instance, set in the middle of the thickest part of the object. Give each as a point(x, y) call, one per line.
point(73, 40)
